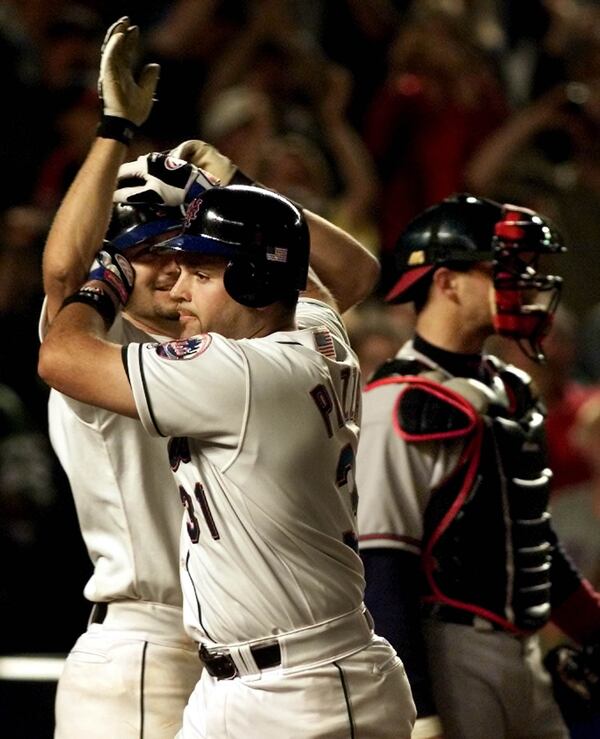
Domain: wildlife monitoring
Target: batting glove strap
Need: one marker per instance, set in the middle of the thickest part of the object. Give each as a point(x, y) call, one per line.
point(119, 129)
point(97, 299)
point(208, 159)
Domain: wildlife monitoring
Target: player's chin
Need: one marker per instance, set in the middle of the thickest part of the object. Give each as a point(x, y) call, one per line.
point(190, 326)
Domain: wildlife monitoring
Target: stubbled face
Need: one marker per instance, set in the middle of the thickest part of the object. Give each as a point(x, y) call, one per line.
point(477, 295)
point(151, 303)
point(203, 303)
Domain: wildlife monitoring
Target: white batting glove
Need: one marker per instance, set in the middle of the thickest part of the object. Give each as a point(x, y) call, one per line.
point(161, 179)
point(122, 96)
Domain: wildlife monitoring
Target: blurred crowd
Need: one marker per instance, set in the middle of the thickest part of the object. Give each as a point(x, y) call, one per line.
point(365, 111)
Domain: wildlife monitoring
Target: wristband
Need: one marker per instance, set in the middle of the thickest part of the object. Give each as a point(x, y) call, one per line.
point(97, 299)
point(119, 129)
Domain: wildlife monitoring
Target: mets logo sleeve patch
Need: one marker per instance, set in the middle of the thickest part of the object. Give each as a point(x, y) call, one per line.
point(184, 348)
point(196, 387)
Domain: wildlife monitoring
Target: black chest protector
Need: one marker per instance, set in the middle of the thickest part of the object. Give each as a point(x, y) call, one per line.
point(487, 540)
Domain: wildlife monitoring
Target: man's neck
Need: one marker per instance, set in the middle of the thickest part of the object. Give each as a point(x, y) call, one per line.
point(451, 333)
point(271, 320)
point(459, 364)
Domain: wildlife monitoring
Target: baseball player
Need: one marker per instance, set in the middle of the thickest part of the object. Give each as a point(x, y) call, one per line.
point(340, 628)
point(461, 562)
point(131, 672)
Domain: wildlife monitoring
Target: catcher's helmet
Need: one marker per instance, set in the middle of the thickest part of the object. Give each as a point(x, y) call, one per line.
point(464, 229)
point(459, 229)
point(134, 225)
point(262, 234)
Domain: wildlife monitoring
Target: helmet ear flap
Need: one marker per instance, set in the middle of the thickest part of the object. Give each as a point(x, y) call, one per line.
point(248, 284)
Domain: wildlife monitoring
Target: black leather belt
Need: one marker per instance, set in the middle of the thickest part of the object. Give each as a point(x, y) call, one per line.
point(220, 664)
point(449, 614)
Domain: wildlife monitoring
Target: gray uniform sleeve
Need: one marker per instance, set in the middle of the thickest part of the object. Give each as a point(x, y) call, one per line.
point(395, 478)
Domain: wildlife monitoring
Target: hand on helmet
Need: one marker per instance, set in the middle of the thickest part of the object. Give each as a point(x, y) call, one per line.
point(208, 158)
point(160, 179)
point(123, 96)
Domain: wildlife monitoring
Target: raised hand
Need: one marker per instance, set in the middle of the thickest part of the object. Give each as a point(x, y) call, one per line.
point(122, 94)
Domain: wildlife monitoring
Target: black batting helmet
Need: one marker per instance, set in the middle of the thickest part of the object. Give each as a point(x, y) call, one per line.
point(262, 234)
point(134, 225)
point(458, 229)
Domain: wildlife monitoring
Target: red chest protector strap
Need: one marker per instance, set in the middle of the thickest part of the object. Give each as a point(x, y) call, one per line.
point(428, 409)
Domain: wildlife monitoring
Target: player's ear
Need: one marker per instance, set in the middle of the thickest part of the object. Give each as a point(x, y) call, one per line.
point(445, 281)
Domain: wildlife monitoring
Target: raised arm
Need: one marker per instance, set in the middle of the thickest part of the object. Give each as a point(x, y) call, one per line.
point(82, 219)
point(75, 358)
point(355, 204)
point(80, 223)
point(341, 263)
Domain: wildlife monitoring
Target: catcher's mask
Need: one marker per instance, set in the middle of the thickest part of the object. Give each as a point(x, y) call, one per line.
point(526, 299)
point(463, 230)
point(142, 225)
point(263, 236)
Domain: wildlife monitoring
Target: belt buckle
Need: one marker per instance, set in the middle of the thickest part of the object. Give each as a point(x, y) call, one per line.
point(218, 664)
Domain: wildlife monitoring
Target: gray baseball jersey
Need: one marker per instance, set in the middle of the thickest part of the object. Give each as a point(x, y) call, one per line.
point(399, 479)
point(387, 464)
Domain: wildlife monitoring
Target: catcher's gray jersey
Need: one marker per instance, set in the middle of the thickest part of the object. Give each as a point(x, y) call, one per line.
point(395, 479)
